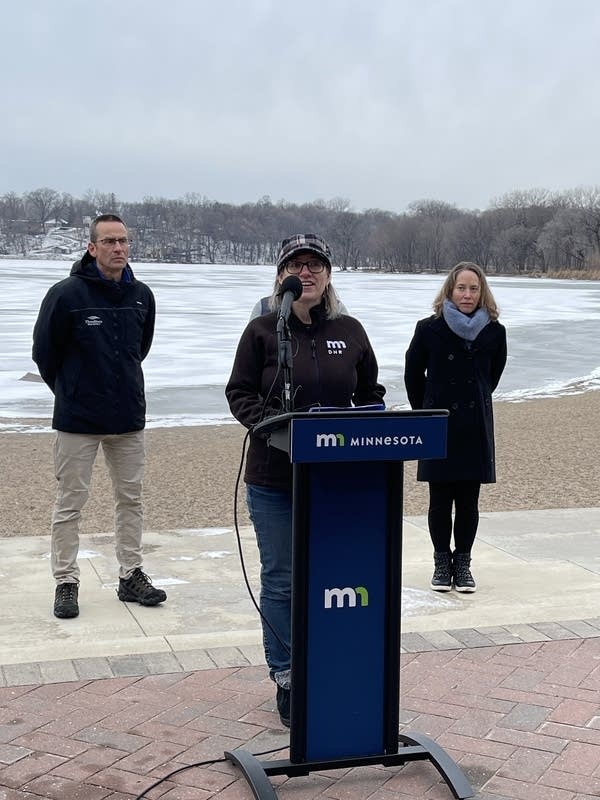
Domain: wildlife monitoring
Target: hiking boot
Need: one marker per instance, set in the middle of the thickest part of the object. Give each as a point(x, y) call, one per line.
point(442, 573)
point(463, 580)
point(65, 600)
point(283, 705)
point(137, 588)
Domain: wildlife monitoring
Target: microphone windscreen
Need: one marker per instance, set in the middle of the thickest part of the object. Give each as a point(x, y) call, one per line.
point(291, 284)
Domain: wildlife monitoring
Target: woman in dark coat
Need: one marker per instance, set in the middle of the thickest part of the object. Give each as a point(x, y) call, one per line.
point(455, 361)
point(323, 376)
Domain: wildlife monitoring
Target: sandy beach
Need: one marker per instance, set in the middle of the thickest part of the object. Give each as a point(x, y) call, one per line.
point(547, 457)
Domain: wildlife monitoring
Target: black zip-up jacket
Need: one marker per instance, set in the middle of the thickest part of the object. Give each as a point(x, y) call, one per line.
point(89, 341)
point(333, 365)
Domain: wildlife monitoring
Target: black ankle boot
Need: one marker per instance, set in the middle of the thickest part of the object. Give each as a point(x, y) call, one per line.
point(463, 580)
point(442, 574)
point(283, 705)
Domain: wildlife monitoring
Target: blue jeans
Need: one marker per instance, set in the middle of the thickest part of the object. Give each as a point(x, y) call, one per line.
point(271, 514)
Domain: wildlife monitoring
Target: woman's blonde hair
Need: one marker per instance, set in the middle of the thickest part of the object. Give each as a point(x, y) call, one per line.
point(332, 301)
point(486, 299)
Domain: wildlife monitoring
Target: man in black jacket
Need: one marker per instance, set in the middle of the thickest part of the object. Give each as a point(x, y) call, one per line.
point(92, 333)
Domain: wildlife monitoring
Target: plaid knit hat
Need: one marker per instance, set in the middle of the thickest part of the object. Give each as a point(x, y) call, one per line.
point(303, 241)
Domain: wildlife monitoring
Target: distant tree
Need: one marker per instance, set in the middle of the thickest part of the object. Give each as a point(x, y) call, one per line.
point(101, 203)
point(44, 203)
point(587, 201)
point(339, 205)
point(564, 242)
point(344, 238)
point(394, 243)
point(434, 217)
point(69, 210)
point(470, 238)
point(11, 207)
point(515, 249)
point(528, 206)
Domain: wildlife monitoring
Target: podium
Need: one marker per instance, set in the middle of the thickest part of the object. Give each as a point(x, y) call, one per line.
point(347, 592)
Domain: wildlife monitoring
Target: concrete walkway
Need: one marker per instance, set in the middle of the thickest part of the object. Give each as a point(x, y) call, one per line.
point(506, 680)
point(535, 570)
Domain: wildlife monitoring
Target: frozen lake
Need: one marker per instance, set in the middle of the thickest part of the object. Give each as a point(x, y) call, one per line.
point(552, 328)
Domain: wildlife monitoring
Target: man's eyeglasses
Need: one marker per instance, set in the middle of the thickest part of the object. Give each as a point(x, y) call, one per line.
point(113, 241)
point(315, 265)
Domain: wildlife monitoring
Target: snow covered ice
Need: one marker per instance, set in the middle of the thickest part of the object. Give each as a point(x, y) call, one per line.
point(552, 328)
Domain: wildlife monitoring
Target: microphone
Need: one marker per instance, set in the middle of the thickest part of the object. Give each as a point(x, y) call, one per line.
point(290, 290)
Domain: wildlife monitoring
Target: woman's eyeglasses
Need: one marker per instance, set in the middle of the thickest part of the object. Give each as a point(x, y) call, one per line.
point(314, 265)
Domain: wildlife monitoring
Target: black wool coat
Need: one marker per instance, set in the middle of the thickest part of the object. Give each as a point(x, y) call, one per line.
point(442, 370)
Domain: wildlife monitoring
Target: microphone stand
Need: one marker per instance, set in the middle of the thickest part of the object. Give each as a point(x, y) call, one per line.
point(284, 340)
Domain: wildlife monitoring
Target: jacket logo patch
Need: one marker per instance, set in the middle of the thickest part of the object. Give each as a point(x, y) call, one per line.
point(335, 347)
point(93, 320)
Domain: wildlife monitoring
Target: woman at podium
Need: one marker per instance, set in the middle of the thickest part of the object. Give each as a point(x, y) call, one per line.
point(333, 365)
point(454, 361)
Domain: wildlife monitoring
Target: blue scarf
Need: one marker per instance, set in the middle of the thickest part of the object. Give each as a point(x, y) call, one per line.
point(467, 326)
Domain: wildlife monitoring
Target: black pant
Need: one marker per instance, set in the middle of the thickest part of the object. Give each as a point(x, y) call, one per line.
point(464, 495)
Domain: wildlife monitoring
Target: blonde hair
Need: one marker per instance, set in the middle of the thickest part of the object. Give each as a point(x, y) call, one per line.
point(486, 299)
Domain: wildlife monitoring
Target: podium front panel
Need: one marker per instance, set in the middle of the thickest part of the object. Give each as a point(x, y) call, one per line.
point(346, 607)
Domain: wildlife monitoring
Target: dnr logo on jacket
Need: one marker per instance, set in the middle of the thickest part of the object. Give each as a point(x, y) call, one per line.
point(335, 347)
point(93, 320)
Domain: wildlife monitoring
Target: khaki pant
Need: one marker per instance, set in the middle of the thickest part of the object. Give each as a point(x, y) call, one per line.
point(74, 456)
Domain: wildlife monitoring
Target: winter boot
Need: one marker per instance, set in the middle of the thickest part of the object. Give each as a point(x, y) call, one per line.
point(442, 574)
point(283, 705)
point(463, 580)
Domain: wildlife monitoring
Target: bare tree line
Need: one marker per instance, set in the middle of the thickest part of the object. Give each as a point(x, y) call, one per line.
point(524, 232)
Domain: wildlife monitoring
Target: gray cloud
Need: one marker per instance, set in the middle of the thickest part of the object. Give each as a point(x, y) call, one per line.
point(379, 101)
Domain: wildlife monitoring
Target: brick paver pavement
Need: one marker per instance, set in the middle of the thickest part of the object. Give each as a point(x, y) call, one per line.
point(522, 720)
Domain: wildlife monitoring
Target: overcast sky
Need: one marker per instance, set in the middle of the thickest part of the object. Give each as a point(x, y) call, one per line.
point(382, 102)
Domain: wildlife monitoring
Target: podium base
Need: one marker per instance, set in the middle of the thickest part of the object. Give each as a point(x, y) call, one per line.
point(417, 747)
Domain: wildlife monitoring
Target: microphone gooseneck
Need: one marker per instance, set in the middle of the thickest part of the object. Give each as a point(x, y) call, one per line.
point(290, 290)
